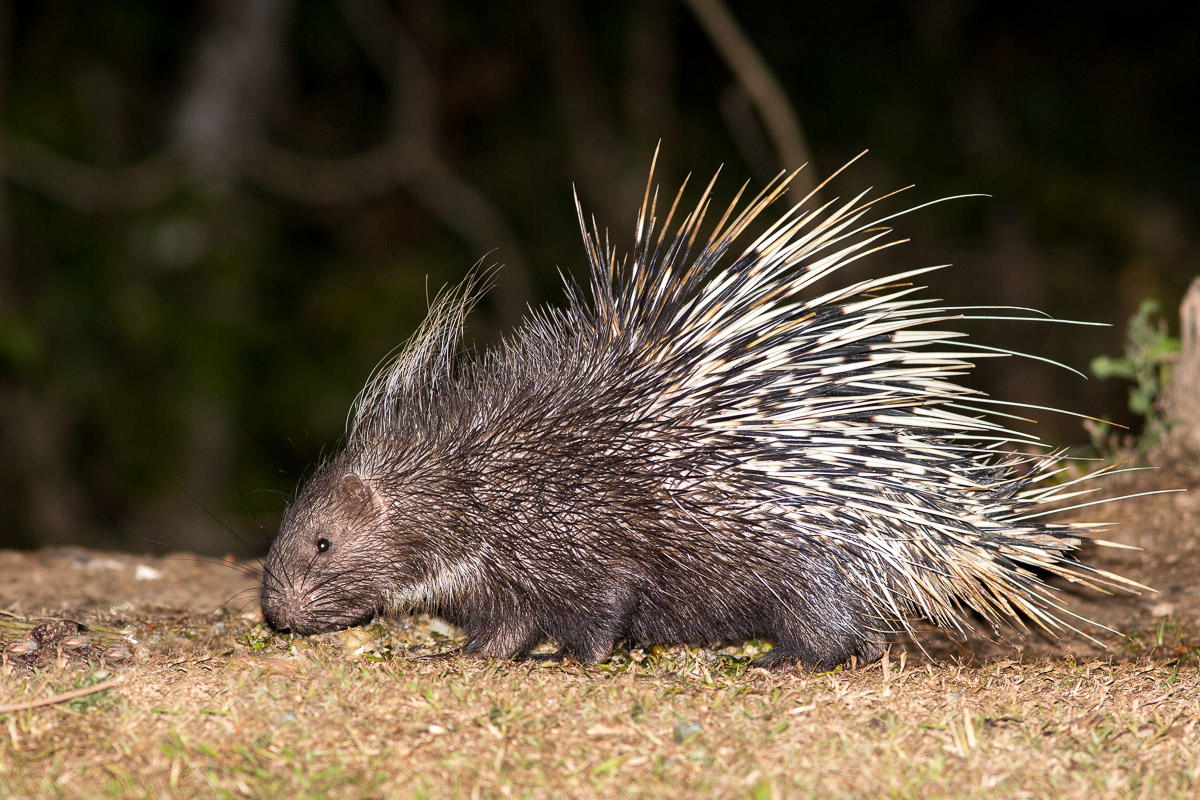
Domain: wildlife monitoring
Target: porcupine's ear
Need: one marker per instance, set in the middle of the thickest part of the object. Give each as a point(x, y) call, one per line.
point(355, 494)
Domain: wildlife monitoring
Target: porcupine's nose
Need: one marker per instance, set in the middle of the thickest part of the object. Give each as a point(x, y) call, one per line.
point(275, 614)
point(277, 605)
point(284, 617)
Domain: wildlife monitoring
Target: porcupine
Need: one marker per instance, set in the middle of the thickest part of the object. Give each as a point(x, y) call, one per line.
point(692, 450)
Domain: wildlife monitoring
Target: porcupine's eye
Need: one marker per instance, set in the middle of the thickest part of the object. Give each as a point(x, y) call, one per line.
point(323, 544)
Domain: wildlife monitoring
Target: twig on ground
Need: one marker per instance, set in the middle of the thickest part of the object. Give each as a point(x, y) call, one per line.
point(60, 698)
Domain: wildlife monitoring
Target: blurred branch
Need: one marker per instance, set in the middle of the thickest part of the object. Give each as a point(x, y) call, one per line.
point(92, 189)
point(455, 202)
point(213, 127)
point(325, 181)
point(216, 140)
point(5, 32)
point(410, 159)
point(648, 80)
point(373, 25)
point(232, 81)
point(1182, 401)
point(592, 134)
point(763, 88)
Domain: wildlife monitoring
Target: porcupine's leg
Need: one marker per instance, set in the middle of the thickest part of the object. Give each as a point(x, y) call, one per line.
point(502, 641)
point(822, 625)
point(499, 635)
point(595, 648)
point(589, 633)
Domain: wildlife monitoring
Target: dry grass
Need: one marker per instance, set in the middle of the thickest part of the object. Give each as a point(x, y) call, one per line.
point(209, 703)
point(227, 709)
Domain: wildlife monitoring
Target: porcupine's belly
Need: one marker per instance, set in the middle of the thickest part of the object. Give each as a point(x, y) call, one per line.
point(804, 603)
point(681, 626)
point(671, 611)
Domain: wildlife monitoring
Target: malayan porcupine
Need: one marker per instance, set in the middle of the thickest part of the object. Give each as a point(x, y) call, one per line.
point(701, 446)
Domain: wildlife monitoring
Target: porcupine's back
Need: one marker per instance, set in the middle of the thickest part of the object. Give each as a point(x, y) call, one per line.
point(710, 445)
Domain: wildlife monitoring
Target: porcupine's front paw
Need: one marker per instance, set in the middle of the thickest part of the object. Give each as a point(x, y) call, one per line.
point(588, 653)
point(501, 641)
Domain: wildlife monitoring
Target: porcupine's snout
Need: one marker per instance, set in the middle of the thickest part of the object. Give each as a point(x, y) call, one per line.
point(281, 603)
point(303, 606)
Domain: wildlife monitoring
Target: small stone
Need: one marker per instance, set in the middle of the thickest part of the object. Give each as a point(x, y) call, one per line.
point(22, 647)
point(116, 653)
point(145, 573)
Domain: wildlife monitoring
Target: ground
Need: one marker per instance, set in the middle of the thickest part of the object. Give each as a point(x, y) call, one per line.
point(134, 676)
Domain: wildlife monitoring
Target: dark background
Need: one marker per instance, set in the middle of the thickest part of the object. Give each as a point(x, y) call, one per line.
point(217, 216)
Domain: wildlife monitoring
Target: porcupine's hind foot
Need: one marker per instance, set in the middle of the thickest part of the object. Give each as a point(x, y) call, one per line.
point(778, 659)
point(822, 650)
point(785, 658)
point(821, 624)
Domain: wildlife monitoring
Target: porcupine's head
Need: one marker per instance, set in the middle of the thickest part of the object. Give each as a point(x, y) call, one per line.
point(374, 527)
point(323, 570)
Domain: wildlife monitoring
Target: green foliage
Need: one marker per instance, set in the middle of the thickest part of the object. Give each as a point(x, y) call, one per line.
point(256, 639)
point(18, 345)
point(1150, 354)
